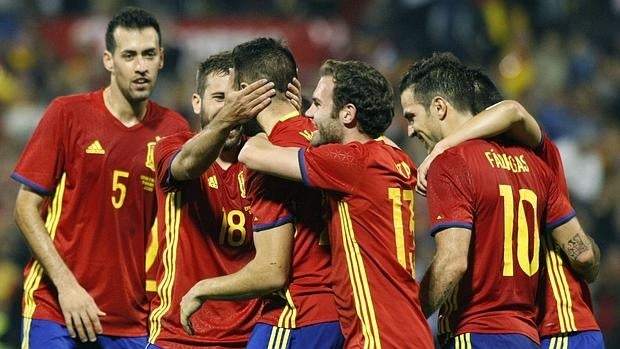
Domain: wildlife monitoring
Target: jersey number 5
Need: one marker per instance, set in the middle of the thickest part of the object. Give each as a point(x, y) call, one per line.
point(120, 187)
point(529, 266)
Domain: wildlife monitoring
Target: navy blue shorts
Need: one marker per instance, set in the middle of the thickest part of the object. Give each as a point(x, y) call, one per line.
point(326, 335)
point(575, 340)
point(490, 341)
point(51, 335)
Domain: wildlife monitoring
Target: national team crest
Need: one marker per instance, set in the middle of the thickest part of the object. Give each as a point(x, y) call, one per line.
point(307, 135)
point(150, 154)
point(403, 169)
point(241, 180)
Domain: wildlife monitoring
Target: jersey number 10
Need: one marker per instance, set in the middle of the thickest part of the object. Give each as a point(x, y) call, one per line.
point(529, 266)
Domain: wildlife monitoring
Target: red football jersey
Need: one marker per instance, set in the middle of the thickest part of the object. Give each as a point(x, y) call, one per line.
point(309, 298)
point(205, 230)
point(566, 305)
point(508, 197)
point(370, 191)
point(101, 175)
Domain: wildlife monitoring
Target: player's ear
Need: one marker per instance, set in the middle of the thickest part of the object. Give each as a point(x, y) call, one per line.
point(196, 103)
point(348, 113)
point(108, 62)
point(161, 58)
point(439, 106)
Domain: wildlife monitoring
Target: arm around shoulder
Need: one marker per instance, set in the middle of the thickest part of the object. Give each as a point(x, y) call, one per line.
point(506, 117)
point(511, 117)
point(261, 155)
point(199, 152)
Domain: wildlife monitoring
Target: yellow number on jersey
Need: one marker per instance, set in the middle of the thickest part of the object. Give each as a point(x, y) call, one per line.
point(398, 196)
point(117, 185)
point(233, 221)
point(529, 267)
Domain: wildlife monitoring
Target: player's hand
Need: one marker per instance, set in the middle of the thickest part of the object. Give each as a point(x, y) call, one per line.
point(80, 311)
point(189, 305)
point(293, 93)
point(424, 166)
point(244, 104)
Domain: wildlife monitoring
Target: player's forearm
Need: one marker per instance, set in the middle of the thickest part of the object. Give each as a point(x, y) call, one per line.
point(591, 271)
point(262, 156)
point(249, 282)
point(584, 259)
point(438, 284)
point(30, 223)
point(504, 117)
point(597, 262)
point(512, 118)
point(199, 153)
point(579, 248)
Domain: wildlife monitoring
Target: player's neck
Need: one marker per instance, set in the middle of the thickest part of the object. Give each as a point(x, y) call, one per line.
point(455, 123)
point(269, 116)
point(355, 136)
point(127, 113)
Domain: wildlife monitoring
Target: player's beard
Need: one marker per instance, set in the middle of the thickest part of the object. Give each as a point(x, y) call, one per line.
point(134, 94)
point(329, 131)
point(234, 138)
point(428, 144)
point(429, 139)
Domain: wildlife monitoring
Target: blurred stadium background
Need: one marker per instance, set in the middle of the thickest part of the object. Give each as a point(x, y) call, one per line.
point(561, 58)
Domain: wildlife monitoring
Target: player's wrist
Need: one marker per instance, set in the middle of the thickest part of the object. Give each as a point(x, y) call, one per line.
point(64, 281)
point(222, 123)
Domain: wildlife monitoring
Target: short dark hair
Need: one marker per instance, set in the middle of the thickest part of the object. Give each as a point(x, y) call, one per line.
point(219, 63)
point(133, 18)
point(486, 92)
point(441, 74)
point(363, 86)
point(264, 58)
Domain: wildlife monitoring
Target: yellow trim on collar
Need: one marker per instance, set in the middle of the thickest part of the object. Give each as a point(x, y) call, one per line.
point(289, 115)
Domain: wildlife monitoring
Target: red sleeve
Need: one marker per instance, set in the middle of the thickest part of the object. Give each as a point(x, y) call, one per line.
point(273, 199)
point(549, 152)
point(270, 199)
point(43, 160)
point(165, 151)
point(559, 209)
point(333, 166)
point(450, 193)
